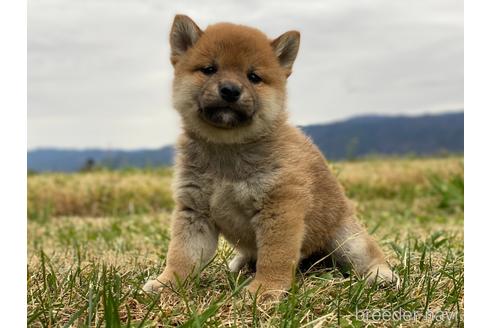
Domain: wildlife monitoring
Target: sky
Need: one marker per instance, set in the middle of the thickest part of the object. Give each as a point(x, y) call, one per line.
point(99, 74)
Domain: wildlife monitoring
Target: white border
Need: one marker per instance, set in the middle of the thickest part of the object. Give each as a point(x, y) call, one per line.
point(478, 168)
point(13, 137)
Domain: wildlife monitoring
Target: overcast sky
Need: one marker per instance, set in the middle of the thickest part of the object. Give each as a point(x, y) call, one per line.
point(99, 73)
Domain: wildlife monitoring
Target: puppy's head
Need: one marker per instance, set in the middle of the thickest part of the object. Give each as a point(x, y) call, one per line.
point(229, 83)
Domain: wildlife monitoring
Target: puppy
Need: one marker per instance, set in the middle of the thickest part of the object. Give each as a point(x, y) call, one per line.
point(244, 173)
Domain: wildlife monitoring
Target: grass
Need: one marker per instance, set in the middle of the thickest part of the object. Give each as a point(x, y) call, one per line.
point(95, 238)
point(98, 193)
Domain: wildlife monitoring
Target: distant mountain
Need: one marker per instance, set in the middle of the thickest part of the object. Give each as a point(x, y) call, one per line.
point(390, 135)
point(355, 137)
point(67, 160)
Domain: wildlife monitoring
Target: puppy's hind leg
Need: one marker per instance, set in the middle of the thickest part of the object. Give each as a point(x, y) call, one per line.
point(239, 261)
point(354, 247)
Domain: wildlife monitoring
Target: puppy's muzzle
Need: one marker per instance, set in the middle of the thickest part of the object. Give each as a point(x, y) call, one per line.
point(226, 117)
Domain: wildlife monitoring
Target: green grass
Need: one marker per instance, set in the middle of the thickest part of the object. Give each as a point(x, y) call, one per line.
point(85, 269)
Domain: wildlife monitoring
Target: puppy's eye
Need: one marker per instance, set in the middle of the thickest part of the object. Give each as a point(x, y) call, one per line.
point(208, 70)
point(254, 78)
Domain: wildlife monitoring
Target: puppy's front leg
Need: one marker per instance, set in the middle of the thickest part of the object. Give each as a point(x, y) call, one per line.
point(279, 231)
point(193, 243)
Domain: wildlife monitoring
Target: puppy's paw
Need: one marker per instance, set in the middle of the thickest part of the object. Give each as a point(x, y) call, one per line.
point(383, 275)
point(237, 263)
point(266, 293)
point(154, 286)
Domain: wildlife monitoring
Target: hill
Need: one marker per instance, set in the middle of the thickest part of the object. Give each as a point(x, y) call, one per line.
point(67, 160)
point(352, 138)
point(390, 135)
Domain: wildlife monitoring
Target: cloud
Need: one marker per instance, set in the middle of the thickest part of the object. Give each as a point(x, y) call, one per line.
point(99, 73)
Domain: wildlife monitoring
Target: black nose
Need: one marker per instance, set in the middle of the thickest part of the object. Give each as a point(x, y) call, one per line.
point(229, 92)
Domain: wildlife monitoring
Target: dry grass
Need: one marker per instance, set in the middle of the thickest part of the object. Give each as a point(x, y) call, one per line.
point(99, 193)
point(86, 268)
point(384, 173)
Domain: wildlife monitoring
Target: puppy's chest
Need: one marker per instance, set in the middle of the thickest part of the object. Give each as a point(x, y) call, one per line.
point(229, 203)
point(232, 206)
point(229, 185)
point(242, 198)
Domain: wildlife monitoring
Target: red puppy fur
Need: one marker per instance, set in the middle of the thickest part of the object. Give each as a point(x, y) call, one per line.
point(243, 172)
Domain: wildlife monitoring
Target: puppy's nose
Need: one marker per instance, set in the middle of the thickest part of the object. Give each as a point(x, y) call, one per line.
point(229, 91)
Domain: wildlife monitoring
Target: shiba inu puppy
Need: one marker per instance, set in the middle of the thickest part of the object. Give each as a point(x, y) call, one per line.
point(243, 172)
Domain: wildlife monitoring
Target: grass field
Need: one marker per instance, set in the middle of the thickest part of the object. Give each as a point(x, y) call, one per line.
point(94, 238)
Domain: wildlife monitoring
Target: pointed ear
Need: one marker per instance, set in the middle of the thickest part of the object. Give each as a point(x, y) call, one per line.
point(184, 34)
point(286, 47)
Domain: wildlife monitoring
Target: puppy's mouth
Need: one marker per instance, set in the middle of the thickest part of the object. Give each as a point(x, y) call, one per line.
point(224, 117)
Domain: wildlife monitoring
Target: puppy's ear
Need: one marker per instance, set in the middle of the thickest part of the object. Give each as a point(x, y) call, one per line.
point(184, 34)
point(285, 48)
